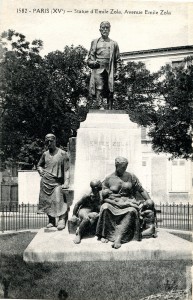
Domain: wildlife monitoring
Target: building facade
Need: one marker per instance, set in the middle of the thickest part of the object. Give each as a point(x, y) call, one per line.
point(155, 58)
point(166, 180)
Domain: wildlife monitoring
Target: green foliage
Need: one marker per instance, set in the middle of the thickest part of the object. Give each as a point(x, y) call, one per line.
point(39, 95)
point(172, 132)
point(161, 101)
point(135, 92)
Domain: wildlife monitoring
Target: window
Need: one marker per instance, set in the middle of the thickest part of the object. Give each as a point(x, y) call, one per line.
point(145, 175)
point(178, 176)
point(144, 135)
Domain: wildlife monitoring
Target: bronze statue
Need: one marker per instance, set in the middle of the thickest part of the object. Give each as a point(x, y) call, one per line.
point(102, 59)
point(148, 216)
point(53, 167)
point(119, 214)
point(86, 210)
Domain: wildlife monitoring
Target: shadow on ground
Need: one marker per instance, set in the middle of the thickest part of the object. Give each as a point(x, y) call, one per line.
point(85, 280)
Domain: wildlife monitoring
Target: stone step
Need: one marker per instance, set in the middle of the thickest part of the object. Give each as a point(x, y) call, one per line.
point(58, 246)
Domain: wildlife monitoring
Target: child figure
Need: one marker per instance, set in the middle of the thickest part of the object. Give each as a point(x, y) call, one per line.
point(148, 215)
point(86, 210)
point(121, 195)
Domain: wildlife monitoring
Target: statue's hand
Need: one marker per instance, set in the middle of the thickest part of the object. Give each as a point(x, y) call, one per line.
point(41, 171)
point(134, 205)
point(93, 64)
point(106, 193)
point(93, 215)
point(96, 64)
point(74, 219)
point(65, 185)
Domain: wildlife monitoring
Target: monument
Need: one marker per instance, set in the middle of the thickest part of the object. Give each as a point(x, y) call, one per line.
point(103, 136)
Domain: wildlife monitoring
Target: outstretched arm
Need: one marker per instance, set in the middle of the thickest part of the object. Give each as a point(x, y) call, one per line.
point(76, 208)
point(78, 205)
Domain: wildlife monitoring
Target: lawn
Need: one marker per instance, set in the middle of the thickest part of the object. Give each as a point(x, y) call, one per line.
point(86, 280)
point(186, 236)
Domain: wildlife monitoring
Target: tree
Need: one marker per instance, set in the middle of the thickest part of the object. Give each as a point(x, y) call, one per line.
point(162, 102)
point(172, 131)
point(67, 78)
point(39, 95)
point(20, 71)
point(135, 92)
point(45, 94)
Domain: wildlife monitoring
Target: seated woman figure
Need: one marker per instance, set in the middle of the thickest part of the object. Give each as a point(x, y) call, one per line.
point(119, 214)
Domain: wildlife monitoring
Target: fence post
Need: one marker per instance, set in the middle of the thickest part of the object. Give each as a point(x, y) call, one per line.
point(22, 215)
point(28, 216)
point(174, 214)
point(188, 216)
point(2, 219)
point(6, 210)
point(19, 217)
point(16, 211)
point(177, 218)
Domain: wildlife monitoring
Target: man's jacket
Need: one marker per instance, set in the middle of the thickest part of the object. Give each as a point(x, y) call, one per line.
point(114, 58)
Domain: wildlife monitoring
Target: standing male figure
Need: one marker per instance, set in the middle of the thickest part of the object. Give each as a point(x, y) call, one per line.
point(53, 167)
point(102, 59)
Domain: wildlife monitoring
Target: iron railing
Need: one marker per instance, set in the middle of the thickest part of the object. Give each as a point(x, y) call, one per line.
point(24, 216)
point(19, 217)
point(175, 216)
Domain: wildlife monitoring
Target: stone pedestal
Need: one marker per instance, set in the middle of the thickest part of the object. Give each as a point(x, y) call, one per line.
point(102, 137)
point(58, 246)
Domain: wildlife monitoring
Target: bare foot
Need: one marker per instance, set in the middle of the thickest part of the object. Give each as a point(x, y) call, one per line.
point(116, 245)
point(61, 224)
point(50, 225)
point(104, 240)
point(77, 239)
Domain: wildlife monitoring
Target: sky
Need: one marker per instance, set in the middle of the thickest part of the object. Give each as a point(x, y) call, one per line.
point(158, 24)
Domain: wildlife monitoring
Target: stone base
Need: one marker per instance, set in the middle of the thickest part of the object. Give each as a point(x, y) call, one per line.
point(104, 135)
point(59, 247)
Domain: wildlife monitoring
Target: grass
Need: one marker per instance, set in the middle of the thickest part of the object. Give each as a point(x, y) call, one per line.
point(186, 236)
point(109, 280)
